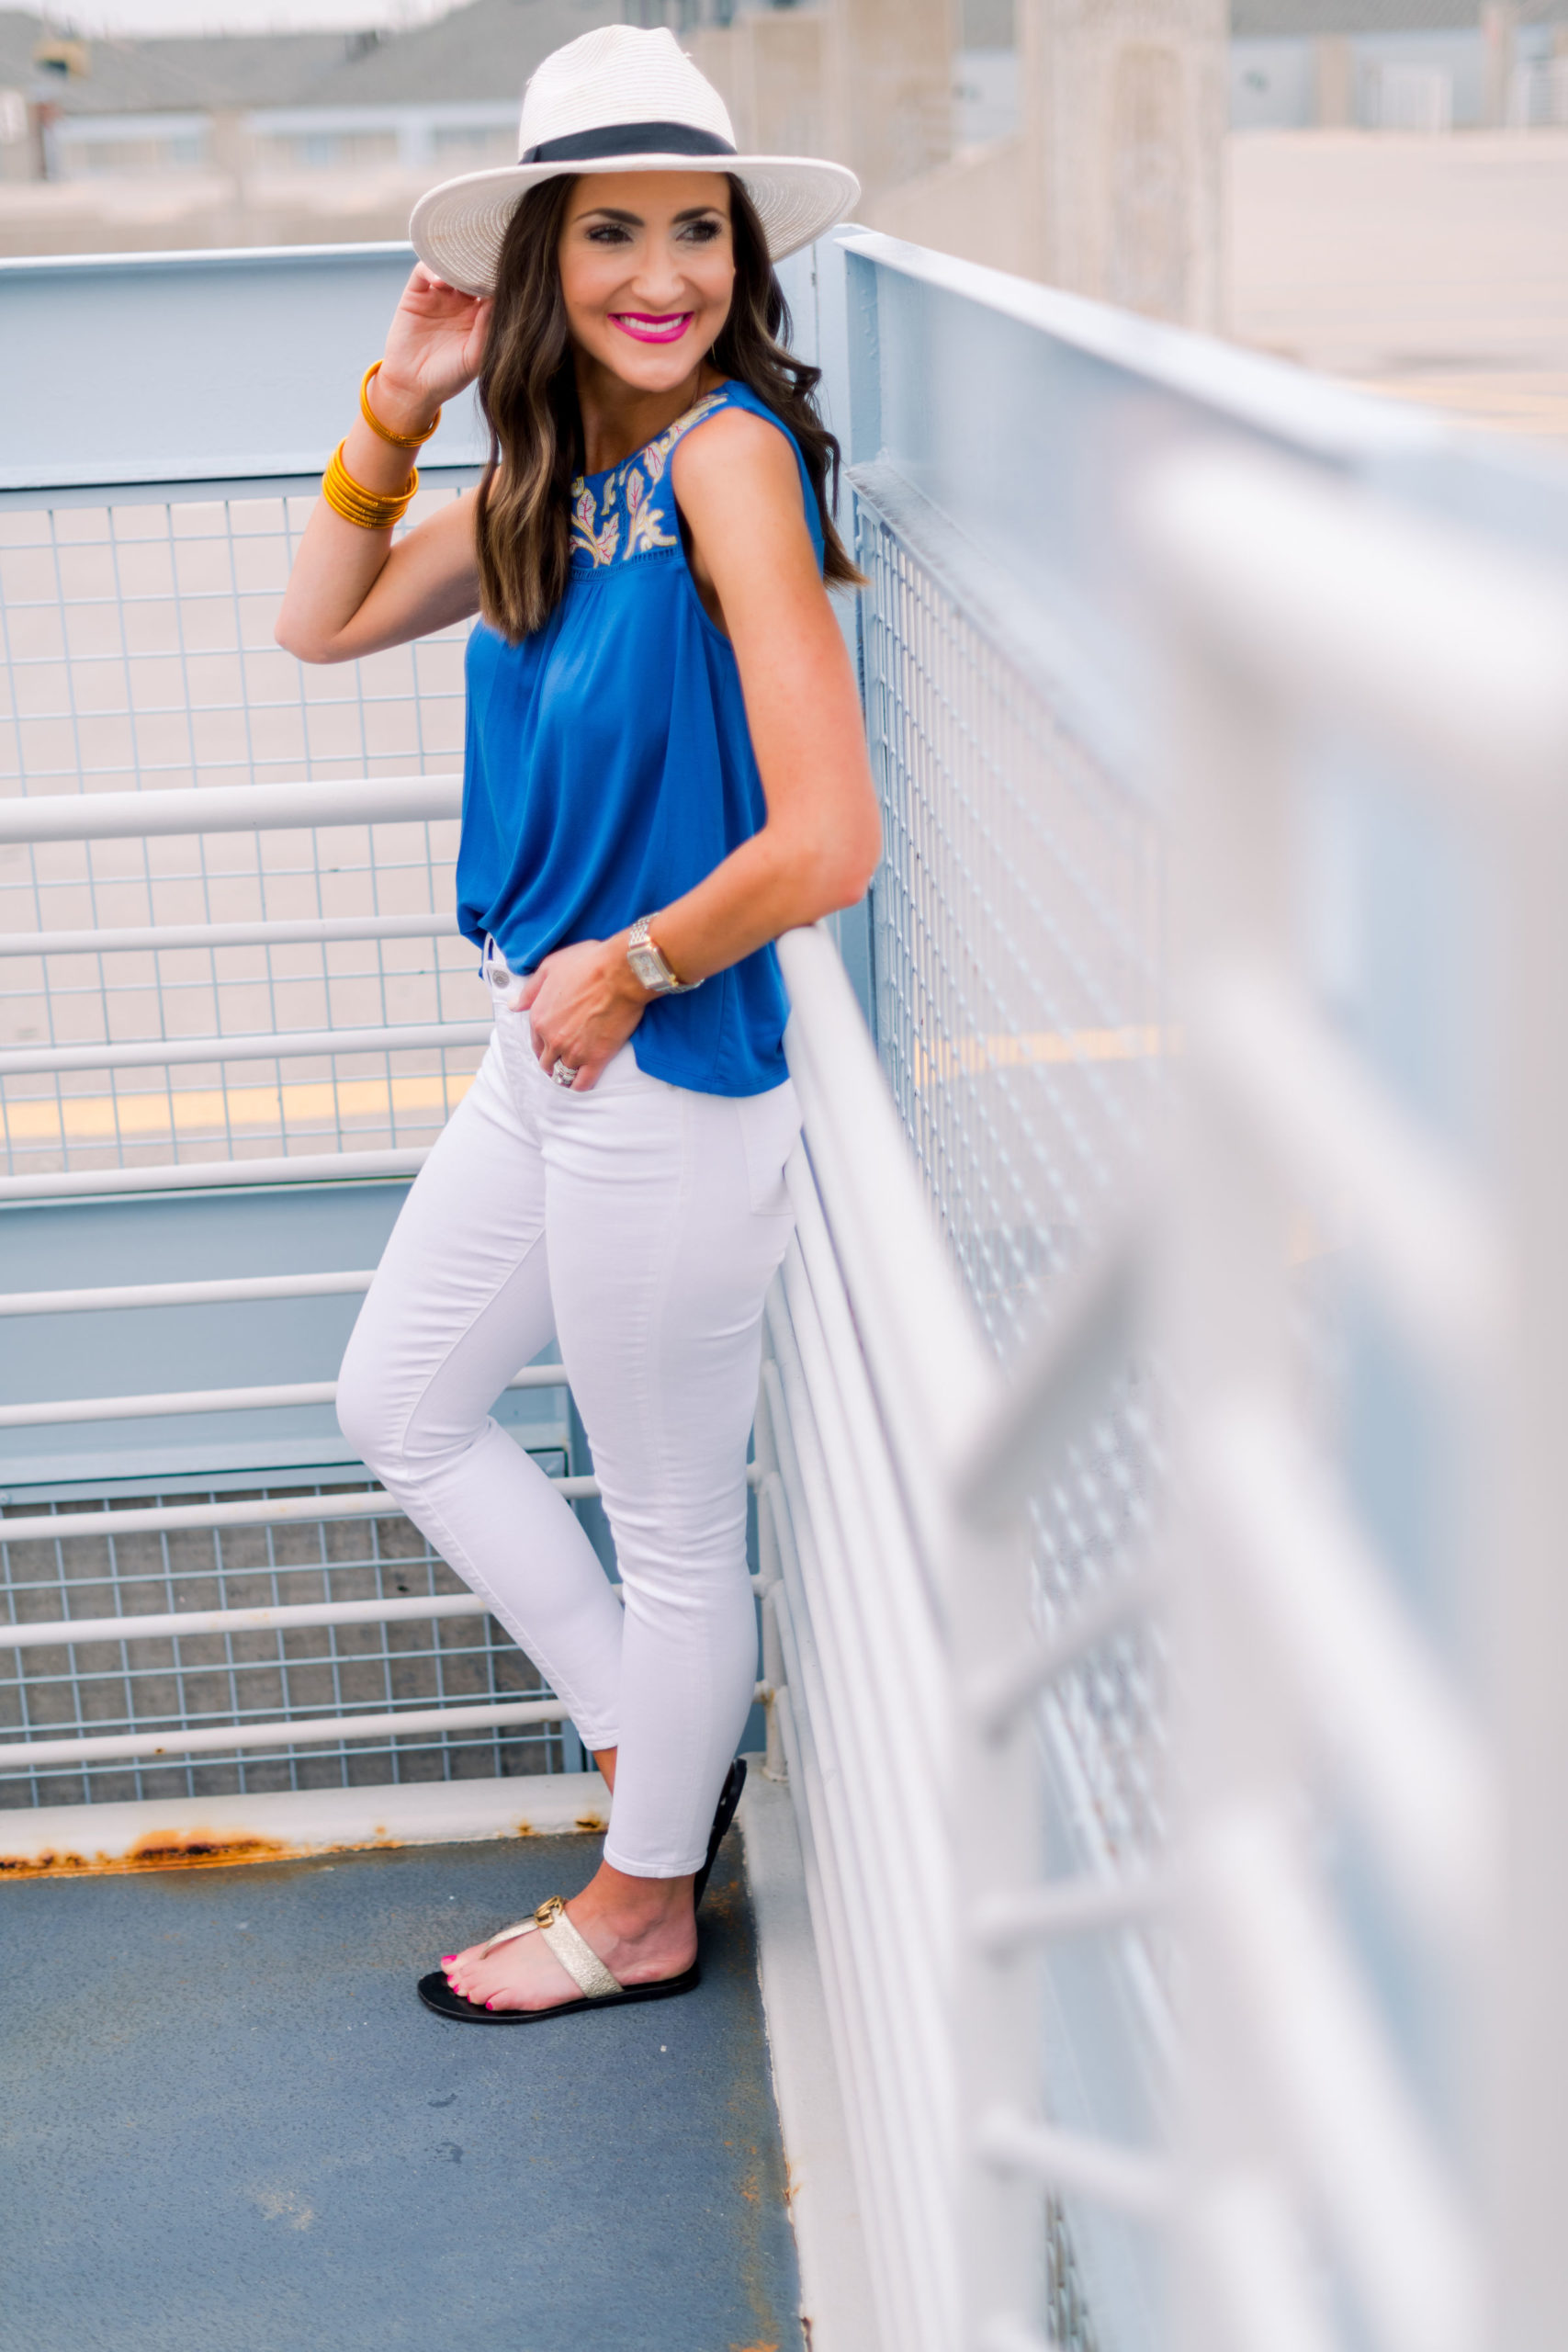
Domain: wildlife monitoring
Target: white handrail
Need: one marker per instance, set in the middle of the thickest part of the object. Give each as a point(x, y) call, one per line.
point(1431, 1246)
point(282, 932)
point(229, 808)
point(1130, 2181)
point(153, 1406)
point(167, 1519)
point(268, 1045)
point(202, 1175)
point(920, 1339)
point(303, 1731)
point(284, 1617)
point(234, 1291)
point(99, 1748)
point(162, 1519)
point(1385, 613)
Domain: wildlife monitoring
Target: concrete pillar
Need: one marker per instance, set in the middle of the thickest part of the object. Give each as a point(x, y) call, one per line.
point(889, 87)
point(1333, 71)
point(768, 67)
point(1123, 112)
point(1499, 33)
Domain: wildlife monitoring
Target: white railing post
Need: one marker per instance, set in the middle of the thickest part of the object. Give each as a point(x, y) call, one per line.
point(996, 1996)
point(1525, 1537)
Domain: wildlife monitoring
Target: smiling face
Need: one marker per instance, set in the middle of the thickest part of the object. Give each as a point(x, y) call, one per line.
point(647, 271)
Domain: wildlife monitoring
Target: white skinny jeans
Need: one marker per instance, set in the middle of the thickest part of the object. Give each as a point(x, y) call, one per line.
point(640, 1225)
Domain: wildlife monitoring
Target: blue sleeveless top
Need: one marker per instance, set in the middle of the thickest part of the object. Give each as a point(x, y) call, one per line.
point(608, 766)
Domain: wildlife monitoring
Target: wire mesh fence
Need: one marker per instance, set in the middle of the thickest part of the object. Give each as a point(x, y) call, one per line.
point(195, 1680)
point(1021, 1020)
point(137, 651)
point(1018, 975)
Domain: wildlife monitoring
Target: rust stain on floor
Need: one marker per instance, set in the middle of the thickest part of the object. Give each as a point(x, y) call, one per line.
point(186, 1850)
point(201, 1849)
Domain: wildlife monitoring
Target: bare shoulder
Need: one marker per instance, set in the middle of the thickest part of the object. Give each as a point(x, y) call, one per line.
point(735, 459)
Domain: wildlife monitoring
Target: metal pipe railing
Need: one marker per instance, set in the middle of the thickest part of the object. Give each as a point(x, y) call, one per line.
point(271, 1045)
point(202, 1175)
point(234, 1290)
point(167, 1519)
point(280, 931)
point(87, 817)
point(229, 808)
point(215, 1400)
point(287, 1616)
point(297, 1730)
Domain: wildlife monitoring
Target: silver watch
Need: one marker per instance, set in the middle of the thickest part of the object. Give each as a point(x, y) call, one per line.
point(647, 960)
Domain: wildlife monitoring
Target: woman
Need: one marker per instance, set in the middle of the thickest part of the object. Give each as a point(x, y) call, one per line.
point(665, 769)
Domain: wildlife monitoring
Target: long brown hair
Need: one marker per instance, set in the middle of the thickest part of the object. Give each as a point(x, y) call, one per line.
point(529, 395)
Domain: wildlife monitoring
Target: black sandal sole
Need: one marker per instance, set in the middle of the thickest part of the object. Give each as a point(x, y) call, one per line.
point(437, 1994)
point(728, 1798)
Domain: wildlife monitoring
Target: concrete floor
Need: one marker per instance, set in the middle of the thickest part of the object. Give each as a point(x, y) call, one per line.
point(228, 2125)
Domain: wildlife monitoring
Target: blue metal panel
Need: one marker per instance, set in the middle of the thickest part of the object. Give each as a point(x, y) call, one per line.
point(159, 368)
point(285, 1228)
point(977, 386)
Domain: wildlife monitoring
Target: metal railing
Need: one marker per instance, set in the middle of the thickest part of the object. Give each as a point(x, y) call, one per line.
point(1366, 1723)
point(266, 1639)
point(153, 1027)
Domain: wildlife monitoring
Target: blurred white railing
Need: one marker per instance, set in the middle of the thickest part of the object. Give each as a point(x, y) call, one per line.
point(1373, 1736)
point(1369, 1739)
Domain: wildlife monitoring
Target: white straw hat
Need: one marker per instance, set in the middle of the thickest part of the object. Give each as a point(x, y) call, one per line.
point(620, 101)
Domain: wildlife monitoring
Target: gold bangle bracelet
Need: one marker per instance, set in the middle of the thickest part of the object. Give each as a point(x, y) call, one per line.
point(398, 440)
point(369, 509)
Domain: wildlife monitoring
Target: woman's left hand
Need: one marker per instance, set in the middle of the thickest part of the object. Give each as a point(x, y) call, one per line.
point(583, 1003)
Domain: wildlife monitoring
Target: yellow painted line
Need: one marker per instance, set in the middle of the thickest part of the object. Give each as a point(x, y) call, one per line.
point(1139, 1041)
point(99, 1119)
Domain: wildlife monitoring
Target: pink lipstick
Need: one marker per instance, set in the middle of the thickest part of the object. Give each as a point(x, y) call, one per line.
point(643, 327)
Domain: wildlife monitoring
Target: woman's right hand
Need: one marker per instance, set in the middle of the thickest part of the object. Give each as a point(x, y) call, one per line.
point(436, 346)
point(352, 591)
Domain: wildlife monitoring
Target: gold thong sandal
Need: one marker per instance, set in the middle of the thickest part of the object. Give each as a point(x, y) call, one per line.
point(600, 1990)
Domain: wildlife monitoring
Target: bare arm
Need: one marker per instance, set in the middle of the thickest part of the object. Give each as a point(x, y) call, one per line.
point(351, 591)
point(738, 489)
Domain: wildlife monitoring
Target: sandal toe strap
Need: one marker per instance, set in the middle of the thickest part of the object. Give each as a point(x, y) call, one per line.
point(576, 1955)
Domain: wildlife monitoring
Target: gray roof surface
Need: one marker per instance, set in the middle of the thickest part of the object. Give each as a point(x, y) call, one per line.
point(1293, 20)
point(484, 50)
point(488, 49)
point(175, 75)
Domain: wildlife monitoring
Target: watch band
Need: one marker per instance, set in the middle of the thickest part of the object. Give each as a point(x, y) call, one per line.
point(649, 961)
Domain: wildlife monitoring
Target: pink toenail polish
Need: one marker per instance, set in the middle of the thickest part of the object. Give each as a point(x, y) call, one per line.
point(447, 1957)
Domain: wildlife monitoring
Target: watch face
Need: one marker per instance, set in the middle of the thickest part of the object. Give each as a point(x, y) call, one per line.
point(647, 963)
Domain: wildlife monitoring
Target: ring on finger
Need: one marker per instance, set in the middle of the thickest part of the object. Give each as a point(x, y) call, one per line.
point(563, 1073)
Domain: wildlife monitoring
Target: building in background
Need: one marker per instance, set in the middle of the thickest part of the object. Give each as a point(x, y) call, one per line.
point(1273, 169)
point(242, 139)
point(1424, 65)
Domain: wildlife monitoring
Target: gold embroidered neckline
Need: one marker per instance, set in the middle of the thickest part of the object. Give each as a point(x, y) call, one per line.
point(630, 489)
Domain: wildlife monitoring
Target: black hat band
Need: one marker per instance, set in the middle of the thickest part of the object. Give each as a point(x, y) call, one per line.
point(628, 138)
